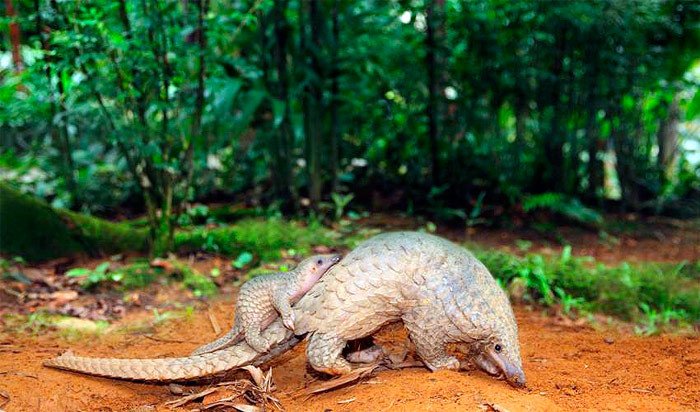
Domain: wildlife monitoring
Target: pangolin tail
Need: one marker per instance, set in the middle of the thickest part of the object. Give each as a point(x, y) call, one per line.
point(233, 336)
point(179, 369)
point(162, 370)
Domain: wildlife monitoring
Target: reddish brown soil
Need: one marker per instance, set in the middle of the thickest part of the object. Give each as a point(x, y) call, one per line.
point(568, 367)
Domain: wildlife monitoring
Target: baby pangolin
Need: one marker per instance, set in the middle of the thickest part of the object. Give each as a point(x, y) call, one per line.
point(262, 298)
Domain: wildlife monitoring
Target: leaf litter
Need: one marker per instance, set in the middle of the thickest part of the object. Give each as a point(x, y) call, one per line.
point(245, 395)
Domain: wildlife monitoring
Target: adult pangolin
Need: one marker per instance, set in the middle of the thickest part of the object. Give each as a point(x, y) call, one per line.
point(440, 291)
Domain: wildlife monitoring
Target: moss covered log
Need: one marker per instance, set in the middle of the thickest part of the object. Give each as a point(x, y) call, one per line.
point(32, 229)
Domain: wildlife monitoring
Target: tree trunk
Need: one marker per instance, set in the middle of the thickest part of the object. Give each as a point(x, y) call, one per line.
point(335, 93)
point(196, 135)
point(667, 139)
point(59, 128)
point(521, 115)
point(553, 174)
point(624, 152)
point(312, 101)
point(595, 166)
point(282, 170)
point(14, 35)
point(433, 18)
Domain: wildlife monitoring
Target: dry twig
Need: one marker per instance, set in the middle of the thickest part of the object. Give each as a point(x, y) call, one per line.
point(182, 401)
point(165, 340)
point(214, 323)
point(258, 394)
point(353, 376)
point(5, 398)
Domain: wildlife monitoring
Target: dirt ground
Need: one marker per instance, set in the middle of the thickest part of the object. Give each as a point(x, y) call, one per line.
point(569, 366)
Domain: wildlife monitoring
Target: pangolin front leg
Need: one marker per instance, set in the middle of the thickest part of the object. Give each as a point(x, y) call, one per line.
point(281, 301)
point(429, 338)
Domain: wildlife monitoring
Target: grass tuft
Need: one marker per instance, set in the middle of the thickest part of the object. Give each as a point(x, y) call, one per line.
point(668, 293)
point(263, 238)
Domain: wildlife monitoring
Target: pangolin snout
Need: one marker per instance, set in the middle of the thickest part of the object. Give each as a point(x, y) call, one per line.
point(516, 377)
point(512, 370)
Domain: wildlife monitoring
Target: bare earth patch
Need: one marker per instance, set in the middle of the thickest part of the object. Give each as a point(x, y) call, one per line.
point(568, 366)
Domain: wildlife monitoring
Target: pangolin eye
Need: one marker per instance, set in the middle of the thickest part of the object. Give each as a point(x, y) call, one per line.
point(498, 347)
point(318, 262)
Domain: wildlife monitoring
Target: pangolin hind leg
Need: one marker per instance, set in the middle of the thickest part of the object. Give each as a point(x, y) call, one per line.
point(255, 339)
point(324, 352)
point(372, 354)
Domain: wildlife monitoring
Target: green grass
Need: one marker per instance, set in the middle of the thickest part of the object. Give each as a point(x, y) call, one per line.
point(140, 274)
point(665, 293)
point(265, 239)
point(69, 328)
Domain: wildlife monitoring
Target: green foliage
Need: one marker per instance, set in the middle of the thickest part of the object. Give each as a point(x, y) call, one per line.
point(652, 321)
point(242, 260)
point(340, 203)
point(693, 109)
point(199, 284)
point(132, 276)
point(563, 205)
point(193, 214)
point(627, 291)
point(264, 239)
point(140, 274)
point(151, 105)
point(163, 317)
point(94, 277)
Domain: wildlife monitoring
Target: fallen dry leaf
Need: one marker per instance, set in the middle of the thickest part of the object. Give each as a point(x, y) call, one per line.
point(231, 395)
point(247, 408)
point(226, 394)
point(494, 407)
point(176, 389)
point(63, 296)
point(343, 380)
point(163, 264)
point(189, 398)
point(256, 373)
point(5, 398)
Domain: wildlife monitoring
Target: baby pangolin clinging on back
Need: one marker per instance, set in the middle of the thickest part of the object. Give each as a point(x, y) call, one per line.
point(262, 298)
